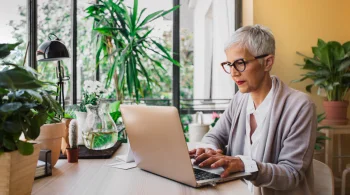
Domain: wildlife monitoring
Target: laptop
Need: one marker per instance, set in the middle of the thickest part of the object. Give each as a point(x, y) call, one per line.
point(159, 146)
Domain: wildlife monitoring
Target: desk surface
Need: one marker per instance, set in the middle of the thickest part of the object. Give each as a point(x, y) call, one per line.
point(92, 176)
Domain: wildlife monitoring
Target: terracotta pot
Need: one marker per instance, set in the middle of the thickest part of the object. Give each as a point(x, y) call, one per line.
point(72, 155)
point(18, 171)
point(336, 112)
point(50, 138)
point(65, 141)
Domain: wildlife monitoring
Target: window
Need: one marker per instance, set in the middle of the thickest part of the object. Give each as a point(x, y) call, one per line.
point(54, 17)
point(13, 25)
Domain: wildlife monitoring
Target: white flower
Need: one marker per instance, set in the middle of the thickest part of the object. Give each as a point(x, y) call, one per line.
point(88, 84)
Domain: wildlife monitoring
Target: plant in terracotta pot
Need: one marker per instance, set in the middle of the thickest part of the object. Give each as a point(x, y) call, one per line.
point(329, 71)
point(23, 110)
point(51, 133)
point(73, 149)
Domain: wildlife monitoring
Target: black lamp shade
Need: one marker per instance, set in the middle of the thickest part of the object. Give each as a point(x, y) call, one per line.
point(52, 51)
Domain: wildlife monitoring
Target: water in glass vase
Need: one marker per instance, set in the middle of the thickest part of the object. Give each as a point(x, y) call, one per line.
point(100, 140)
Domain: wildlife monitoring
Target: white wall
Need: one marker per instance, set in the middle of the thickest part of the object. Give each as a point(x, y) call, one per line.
point(213, 24)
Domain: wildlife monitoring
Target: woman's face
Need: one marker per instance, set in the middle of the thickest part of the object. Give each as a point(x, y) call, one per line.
point(252, 78)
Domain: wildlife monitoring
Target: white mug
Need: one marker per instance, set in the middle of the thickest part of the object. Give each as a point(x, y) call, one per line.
point(197, 129)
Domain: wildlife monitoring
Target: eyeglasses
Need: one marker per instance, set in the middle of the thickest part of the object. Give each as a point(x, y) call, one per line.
point(239, 64)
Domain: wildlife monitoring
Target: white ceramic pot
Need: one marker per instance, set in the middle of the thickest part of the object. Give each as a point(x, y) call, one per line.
point(81, 119)
point(197, 129)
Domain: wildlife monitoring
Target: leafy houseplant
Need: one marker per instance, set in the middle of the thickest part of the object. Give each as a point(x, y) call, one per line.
point(123, 40)
point(24, 109)
point(329, 71)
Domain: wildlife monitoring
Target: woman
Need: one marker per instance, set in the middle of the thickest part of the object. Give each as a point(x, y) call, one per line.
point(268, 128)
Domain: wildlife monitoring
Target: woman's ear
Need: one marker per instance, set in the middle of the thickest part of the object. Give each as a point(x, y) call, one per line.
point(269, 60)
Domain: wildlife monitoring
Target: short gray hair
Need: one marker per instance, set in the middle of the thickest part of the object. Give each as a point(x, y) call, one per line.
point(257, 39)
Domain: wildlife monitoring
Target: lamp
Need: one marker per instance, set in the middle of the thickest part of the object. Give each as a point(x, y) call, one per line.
point(55, 50)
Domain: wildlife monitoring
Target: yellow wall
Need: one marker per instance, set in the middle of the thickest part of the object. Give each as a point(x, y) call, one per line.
point(297, 24)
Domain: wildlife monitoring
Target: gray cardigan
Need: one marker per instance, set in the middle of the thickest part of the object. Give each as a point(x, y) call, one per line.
point(289, 134)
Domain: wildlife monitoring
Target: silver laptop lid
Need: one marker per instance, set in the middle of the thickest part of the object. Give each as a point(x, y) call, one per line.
point(158, 142)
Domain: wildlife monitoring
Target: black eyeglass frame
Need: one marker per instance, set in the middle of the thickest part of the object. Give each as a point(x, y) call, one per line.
point(244, 61)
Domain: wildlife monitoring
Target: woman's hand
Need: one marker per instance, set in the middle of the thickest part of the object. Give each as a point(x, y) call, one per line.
point(197, 152)
point(229, 163)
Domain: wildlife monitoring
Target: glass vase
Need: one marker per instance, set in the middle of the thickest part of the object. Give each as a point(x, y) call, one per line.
point(100, 130)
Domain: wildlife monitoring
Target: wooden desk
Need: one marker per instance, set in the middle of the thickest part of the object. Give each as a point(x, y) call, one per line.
point(94, 177)
point(335, 130)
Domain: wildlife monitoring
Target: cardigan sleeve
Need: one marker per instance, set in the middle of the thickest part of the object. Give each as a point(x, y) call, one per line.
point(295, 155)
point(219, 134)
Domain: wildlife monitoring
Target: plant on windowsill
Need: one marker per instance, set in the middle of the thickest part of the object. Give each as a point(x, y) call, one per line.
point(329, 71)
point(23, 110)
point(124, 42)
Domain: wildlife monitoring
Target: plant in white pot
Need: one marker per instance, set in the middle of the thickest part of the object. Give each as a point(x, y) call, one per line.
point(22, 111)
point(329, 71)
point(92, 92)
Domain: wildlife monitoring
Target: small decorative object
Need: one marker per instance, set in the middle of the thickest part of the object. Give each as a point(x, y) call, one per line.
point(92, 92)
point(215, 116)
point(197, 129)
point(100, 131)
point(73, 149)
point(330, 73)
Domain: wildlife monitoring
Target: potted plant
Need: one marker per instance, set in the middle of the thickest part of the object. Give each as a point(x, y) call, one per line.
point(319, 145)
point(329, 71)
point(92, 92)
point(73, 149)
point(23, 111)
point(124, 41)
point(51, 133)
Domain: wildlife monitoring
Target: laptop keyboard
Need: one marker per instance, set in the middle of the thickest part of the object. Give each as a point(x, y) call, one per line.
point(203, 175)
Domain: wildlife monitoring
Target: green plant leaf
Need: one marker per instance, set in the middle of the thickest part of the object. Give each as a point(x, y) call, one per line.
point(344, 65)
point(325, 56)
point(13, 126)
point(149, 17)
point(9, 143)
point(10, 107)
point(336, 50)
point(308, 88)
point(346, 47)
point(319, 81)
point(25, 148)
point(5, 49)
point(299, 80)
point(321, 43)
point(314, 61)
